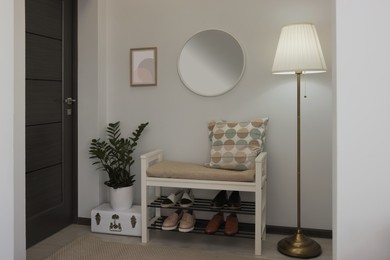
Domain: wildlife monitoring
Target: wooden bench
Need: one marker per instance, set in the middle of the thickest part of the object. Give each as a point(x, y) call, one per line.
point(151, 189)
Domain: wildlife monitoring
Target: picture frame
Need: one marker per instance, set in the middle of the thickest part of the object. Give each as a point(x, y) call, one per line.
point(143, 66)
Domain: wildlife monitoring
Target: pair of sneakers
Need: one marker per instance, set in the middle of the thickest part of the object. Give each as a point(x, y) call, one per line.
point(184, 197)
point(185, 221)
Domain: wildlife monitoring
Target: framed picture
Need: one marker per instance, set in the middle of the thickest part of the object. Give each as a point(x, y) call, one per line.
point(143, 67)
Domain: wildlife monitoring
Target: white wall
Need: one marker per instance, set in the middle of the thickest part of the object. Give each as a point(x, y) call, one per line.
point(91, 99)
point(178, 116)
point(19, 130)
point(12, 185)
point(362, 212)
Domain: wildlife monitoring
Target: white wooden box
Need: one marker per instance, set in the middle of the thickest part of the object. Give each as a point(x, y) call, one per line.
point(125, 222)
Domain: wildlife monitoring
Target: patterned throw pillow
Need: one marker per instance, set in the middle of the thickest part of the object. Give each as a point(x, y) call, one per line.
point(235, 145)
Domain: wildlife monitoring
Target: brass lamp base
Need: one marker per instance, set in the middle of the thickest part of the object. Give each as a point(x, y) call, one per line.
point(299, 246)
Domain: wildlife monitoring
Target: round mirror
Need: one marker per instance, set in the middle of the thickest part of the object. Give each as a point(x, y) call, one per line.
point(211, 63)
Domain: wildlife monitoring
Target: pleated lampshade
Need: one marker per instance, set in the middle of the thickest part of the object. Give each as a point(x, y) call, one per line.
point(299, 51)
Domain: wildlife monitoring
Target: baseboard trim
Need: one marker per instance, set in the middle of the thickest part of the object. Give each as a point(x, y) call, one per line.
point(311, 232)
point(84, 221)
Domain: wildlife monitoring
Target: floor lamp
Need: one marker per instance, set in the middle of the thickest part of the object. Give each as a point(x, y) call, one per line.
point(299, 52)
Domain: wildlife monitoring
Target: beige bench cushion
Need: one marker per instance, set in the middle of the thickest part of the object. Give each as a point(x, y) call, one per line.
point(179, 170)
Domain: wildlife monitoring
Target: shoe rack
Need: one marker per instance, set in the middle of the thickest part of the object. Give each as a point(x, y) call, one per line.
point(151, 198)
point(246, 230)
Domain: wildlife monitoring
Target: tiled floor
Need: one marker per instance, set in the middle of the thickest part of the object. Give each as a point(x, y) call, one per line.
point(230, 245)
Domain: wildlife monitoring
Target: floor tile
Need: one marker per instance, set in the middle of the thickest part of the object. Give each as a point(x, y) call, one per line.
point(230, 245)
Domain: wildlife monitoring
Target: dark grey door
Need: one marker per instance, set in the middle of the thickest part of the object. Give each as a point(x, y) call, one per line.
point(50, 140)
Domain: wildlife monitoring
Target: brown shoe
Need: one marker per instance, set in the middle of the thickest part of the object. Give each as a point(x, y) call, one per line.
point(231, 225)
point(214, 223)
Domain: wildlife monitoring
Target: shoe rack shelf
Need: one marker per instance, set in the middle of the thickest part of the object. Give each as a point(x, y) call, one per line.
point(151, 198)
point(246, 230)
point(247, 207)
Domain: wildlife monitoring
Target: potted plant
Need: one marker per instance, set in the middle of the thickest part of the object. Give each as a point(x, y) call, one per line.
point(114, 156)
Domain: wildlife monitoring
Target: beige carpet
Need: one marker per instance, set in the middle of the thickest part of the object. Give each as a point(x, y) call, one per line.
point(92, 248)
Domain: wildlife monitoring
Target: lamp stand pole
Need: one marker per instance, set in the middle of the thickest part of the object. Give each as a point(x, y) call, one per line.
point(299, 245)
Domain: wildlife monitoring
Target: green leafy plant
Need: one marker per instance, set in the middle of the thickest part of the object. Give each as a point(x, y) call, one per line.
point(114, 156)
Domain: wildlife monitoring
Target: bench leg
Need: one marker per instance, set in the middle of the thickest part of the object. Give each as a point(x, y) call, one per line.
point(258, 220)
point(156, 212)
point(144, 213)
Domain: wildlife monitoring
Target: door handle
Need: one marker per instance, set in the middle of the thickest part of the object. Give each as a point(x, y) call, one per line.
point(70, 100)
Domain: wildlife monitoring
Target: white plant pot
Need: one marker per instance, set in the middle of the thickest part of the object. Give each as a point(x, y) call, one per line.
point(121, 198)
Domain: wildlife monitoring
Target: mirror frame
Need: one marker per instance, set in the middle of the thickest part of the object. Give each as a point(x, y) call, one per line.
point(228, 88)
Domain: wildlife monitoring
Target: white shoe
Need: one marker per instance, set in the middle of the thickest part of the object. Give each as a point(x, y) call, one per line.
point(187, 199)
point(171, 200)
